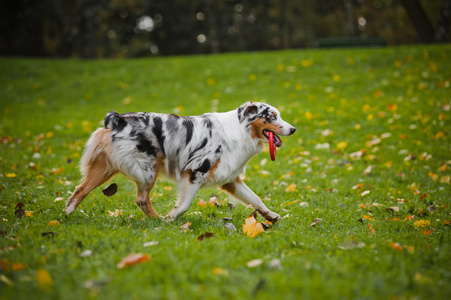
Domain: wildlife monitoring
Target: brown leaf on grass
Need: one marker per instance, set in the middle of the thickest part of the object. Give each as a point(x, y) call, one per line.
point(432, 208)
point(252, 228)
point(205, 235)
point(133, 259)
point(317, 220)
point(19, 210)
point(110, 190)
point(397, 247)
point(393, 208)
point(186, 226)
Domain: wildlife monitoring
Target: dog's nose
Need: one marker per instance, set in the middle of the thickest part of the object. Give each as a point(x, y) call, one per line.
point(292, 130)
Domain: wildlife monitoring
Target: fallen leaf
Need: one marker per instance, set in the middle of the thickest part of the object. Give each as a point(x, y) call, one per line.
point(364, 193)
point(205, 235)
point(230, 227)
point(393, 208)
point(432, 208)
point(116, 213)
point(151, 243)
point(367, 170)
point(86, 253)
point(202, 202)
point(10, 175)
point(110, 190)
point(397, 247)
point(133, 259)
point(252, 228)
point(275, 264)
point(213, 201)
point(186, 226)
point(54, 223)
point(426, 232)
point(291, 188)
point(370, 228)
point(422, 223)
point(44, 279)
point(317, 220)
point(254, 263)
point(220, 271)
point(409, 218)
point(17, 266)
point(19, 210)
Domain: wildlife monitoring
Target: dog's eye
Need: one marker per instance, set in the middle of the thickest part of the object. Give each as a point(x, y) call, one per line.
point(273, 117)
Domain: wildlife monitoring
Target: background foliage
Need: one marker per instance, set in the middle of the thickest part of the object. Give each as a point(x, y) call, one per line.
point(134, 28)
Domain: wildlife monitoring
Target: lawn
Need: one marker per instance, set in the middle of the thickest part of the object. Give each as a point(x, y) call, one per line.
point(371, 158)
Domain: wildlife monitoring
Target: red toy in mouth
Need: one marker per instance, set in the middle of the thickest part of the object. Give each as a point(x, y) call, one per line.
point(274, 141)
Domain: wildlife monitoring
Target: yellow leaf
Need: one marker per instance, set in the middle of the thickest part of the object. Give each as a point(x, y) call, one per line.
point(291, 188)
point(308, 115)
point(11, 175)
point(219, 271)
point(29, 213)
point(252, 77)
point(252, 228)
point(54, 223)
point(44, 279)
point(342, 145)
point(422, 223)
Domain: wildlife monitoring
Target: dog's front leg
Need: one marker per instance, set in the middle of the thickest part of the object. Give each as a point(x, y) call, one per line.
point(187, 192)
point(242, 192)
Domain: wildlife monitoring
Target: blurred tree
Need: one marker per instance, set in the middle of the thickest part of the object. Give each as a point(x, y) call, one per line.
point(133, 28)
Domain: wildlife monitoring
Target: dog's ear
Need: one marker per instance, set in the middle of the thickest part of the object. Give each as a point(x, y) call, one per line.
point(247, 110)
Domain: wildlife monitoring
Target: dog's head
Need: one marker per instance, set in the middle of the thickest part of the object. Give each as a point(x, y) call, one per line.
point(261, 118)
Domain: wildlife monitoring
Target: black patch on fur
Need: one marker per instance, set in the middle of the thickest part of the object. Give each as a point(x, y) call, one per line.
point(265, 113)
point(189, 129)
point(144, 145)
point(204, 143)
point(218, 150)
point(158, 132)
point(208, 123)
point(114, 121)
point(146, 119)
point(204, 167)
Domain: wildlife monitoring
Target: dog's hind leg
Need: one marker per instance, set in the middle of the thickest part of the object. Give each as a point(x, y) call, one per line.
point(186, 193)
point(143, 199)
point(96, 173)
point(242, 192)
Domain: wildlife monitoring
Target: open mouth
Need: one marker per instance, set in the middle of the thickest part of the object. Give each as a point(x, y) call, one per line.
point(276, 139)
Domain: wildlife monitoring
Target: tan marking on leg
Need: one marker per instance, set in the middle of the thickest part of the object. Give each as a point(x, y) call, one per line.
point(213, 168)
point(96, 173)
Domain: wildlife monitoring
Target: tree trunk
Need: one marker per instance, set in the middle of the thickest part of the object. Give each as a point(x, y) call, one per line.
point(442, 31)
point(420, 20)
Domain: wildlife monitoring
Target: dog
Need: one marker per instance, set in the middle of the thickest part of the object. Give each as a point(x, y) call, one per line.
point(195, 151)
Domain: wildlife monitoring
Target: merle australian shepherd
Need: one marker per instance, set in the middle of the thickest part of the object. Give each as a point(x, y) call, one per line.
point(200, 151)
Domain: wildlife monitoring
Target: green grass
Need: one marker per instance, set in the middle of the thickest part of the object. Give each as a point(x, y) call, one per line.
point(392, 103)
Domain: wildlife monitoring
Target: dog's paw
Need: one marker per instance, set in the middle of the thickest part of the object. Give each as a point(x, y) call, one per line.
point(270, 216)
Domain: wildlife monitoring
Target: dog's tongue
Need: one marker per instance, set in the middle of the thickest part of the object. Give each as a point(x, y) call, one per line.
point(272, 146)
